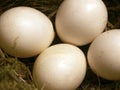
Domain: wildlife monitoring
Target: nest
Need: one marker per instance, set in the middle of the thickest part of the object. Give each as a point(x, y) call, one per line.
point(15, 73)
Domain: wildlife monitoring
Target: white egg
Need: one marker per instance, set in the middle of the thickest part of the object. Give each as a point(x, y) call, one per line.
point(60, 67)
point(79, 21)
point(25, 32)
point(104, 55)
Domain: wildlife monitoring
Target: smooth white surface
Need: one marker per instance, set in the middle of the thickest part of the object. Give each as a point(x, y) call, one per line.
point(80, 21)
point(25, 32)
point(104, 55)
point(60, 67)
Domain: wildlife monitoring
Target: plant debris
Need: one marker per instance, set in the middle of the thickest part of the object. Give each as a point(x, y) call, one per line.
point(15, 73)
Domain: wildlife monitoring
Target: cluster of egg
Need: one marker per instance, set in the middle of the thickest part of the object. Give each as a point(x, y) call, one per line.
point(26, 32)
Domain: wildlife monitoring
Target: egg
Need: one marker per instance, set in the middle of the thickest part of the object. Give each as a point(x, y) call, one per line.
point(59, 67)
point(25, 31)
point(104, 55)
point(78, 22)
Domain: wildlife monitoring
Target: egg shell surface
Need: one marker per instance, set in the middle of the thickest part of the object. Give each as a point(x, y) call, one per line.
point(104, 55)
point(78, 22)
point(60, 67)
point(25, 32)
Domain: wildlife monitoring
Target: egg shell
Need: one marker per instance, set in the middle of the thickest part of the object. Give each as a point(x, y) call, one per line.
point(60, 67)
point(25, 32)
point(79, 21)
point(104, 55)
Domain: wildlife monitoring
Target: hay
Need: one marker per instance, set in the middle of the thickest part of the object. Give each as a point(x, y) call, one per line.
point(15, 73)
